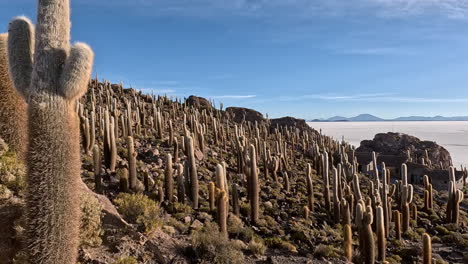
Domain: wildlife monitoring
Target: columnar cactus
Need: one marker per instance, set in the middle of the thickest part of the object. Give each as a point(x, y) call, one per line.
point(222, 213)
point(427, 249)
point(336, 199)
point(368, 253)
point(168, 179)
point(254, 188)
point(427, 193)
point(348, 242)
point(381, 241)
point(384, 196)
point(180, 183)
point(310, 187)
point(235, 200)
point(397, 219)
point(306, 212)
point(192, 171)
point(51, 83)
point(326, 182)
point(454, 199)
point(406, 199)
point(13, 113)
point(97, 169)
point(211, 195)
point(131, 157)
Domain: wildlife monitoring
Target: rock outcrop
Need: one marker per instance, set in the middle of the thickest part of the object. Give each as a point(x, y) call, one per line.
point(240, 114)
point(288, 121)
point(198, 102)
point(397, 144)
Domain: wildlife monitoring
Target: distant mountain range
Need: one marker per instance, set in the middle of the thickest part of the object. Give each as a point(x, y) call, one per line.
point(369, 118)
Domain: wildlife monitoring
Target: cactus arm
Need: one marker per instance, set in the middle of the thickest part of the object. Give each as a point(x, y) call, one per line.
point(20, 53)
point(410, 194)
point(459, 196)
point(76, 71)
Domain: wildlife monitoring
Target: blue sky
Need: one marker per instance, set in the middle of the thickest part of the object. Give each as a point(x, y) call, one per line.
point(304, 58)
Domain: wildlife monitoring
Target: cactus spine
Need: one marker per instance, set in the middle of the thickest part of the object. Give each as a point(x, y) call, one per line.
point(51, 84)
point(254, 186)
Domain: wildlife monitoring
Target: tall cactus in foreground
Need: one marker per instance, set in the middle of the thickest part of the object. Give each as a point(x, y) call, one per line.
point(427, 249)
point(51, 84)
point(348, 242)
point(13, 114)
point(381, 241)
point(368, 254)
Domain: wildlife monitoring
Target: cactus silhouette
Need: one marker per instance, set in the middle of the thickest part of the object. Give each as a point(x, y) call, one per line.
point(13, 113)
point(51, 83)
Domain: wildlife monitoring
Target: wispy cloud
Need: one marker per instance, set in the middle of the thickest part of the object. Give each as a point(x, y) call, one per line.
point(232, 96)
point(376, 51)
point(298, 8)
point(157, 90)
point(377, 97)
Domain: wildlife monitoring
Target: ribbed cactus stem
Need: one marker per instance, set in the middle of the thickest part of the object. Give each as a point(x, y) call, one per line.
point(169, 179)
point(368, 254)
point(397, 219)
point(254, 186)
point(192, 171)
point(427, 249)
point(97, 169)
point(306, 212)
point(211, 195)
point(235, 200)
point(51, 84)
point(180, 184)
point(384, 198)
point(356, 188)
point(113, 146)
point(406, 198)
point(381, 240)
point(123, 179)
point(310, 187)
point(336, 201)
point(326, 182)
point(131, 157)
point(348, 242)
point(222, 213)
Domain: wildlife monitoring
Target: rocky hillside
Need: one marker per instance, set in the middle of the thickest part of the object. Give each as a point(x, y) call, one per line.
point(179, 181)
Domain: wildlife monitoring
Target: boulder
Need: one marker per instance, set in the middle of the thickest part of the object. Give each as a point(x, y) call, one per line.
point(288, 121)
point(397, 144)
point(240, 114)
point(199, 102)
